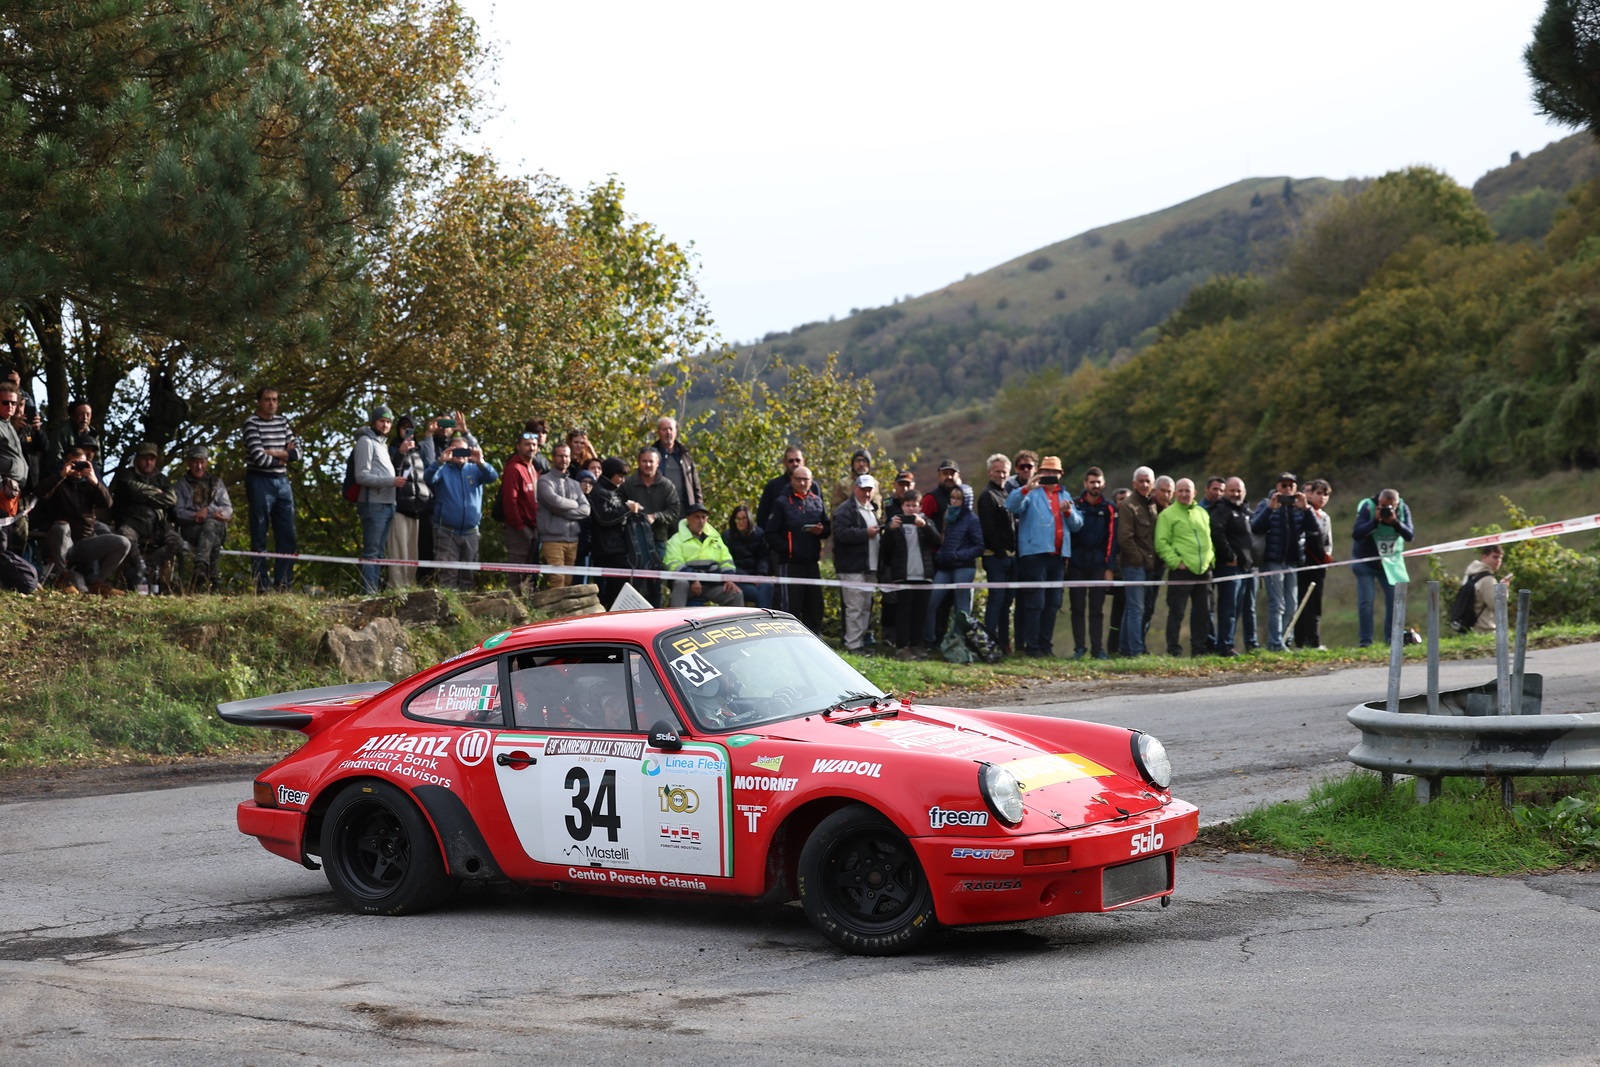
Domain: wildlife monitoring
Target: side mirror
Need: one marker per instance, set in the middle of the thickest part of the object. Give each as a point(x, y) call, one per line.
point(664, 735)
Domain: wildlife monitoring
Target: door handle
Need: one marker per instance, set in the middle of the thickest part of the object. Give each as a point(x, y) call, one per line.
point(517, 761)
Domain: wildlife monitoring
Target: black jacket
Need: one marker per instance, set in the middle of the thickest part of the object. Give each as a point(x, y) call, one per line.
point(892, 555)
point(850, 541)
point(1094, 544)
point(609, 513)
point(787, 534)
point(749, 551)
point(999, 525)
point(1230, 535)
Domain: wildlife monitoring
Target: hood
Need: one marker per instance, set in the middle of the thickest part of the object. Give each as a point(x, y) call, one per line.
point(1059, 785)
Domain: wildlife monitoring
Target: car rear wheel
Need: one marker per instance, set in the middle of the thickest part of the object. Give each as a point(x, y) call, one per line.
point(862, 886)
point(379, 853)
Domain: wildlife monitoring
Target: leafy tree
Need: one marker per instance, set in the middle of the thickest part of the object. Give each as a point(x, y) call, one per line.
point(1563, 59)
point(175, 171)
point(739, 441)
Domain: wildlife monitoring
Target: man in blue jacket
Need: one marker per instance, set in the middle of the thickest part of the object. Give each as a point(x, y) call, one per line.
point(458, 477)
point(1094, 558)
point(1046, 519)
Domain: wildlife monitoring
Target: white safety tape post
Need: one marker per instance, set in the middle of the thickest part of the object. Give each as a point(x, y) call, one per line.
point(1527, 533)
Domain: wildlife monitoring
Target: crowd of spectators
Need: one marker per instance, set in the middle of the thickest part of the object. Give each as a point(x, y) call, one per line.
point(423, 491)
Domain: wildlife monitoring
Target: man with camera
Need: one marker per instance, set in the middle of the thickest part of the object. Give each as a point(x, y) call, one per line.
point(457, 478)
point(68, 497)
point(1382, 523)
point(1281, 519)
point(1046, 520)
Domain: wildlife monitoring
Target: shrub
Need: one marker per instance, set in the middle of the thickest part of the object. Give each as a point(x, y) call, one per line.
point(1040, 263)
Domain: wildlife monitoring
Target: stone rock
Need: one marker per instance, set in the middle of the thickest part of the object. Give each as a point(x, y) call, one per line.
point(545, 599)
point(206, 635)
point(505, 607)
point(425, 607)
point(379, 649)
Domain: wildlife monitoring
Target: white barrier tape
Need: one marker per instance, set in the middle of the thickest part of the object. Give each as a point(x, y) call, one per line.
point(1528, 533)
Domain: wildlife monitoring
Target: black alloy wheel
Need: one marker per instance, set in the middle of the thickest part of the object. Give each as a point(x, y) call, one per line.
point(862, 886)
point(379, 854)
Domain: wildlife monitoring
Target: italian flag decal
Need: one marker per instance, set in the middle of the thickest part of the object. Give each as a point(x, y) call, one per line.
point(490, 698)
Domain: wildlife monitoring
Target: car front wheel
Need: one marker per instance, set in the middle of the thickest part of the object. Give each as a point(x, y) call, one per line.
point(379, 854)
point(861, 884)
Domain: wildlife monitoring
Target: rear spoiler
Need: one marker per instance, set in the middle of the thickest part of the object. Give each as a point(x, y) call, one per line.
point(296, 710)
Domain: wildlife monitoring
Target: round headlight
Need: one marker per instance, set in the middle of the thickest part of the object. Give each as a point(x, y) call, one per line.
point(1150, 756)
point(1002, 792)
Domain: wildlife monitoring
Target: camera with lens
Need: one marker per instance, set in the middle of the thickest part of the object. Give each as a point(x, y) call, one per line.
point(461, 453)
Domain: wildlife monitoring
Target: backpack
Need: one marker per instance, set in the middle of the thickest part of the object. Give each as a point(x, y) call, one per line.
point(352, 488)
point(977, 637)
point(953, 646)
point(1464, 611)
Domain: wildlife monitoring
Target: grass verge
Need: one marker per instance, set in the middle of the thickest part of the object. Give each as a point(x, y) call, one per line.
point(137, 679)
point(1353, 819)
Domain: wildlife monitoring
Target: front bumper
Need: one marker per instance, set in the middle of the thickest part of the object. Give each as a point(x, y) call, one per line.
point(280, 830)
point(973, 881)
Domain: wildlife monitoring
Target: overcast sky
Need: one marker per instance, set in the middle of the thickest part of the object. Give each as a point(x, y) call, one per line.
point(835, 155)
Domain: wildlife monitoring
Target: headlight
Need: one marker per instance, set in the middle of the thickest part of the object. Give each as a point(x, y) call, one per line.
point(1002, 792)
point(1150, 756)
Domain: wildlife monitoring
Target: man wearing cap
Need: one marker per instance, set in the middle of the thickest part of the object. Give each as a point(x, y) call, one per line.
point(458, 477)
point(609, 532)
point(375, 474)
point(697, 547)
point(203, 510)
point(1046, 520)
point(855, 558)
point(141, 499)
point(563, 507)
point(935, 501)
point(845, 488)
point(1281, 520)
point(68, 499)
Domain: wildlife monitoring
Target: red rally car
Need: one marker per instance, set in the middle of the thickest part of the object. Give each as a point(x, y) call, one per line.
point(711, 751)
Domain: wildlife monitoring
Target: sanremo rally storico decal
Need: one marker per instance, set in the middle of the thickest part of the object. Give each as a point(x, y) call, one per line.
point(609, 804)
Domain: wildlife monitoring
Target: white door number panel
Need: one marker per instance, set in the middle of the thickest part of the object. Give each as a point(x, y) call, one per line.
point(610, 802)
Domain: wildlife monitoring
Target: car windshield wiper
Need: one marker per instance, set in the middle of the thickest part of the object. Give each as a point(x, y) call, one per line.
point(880, 706)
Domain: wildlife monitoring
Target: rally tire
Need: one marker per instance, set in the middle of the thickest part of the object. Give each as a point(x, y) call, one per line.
point(379, 854)
point(861, 884)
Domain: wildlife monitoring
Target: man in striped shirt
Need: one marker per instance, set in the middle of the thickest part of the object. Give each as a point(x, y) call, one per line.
point(269, 448)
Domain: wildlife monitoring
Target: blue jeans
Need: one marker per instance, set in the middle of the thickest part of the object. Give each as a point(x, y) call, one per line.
point(997, 612)
point(375, 522)
point(271, 504)
point(1037, 608)
point(1133, 613)
point(963, 599)
point(760, 592)
point(1282, 593)
point(1245, 609)
point(1227, 606)
point(1368, 574)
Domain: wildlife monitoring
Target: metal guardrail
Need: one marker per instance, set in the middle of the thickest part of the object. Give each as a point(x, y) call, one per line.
point(1490, 729)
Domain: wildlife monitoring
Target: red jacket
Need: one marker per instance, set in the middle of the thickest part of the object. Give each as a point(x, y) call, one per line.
point(519, 494)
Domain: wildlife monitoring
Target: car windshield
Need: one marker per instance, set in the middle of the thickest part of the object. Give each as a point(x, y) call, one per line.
point(745, 672)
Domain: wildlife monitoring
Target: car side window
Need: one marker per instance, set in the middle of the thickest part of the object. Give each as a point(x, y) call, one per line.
point(468, 696)
point(650, 703)
point(571, 689)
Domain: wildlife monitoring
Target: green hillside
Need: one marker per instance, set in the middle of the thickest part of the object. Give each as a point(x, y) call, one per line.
point(1086, 297)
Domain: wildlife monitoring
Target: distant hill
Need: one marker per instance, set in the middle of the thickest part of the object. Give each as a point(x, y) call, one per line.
point(1521, 198)
point(1086, 297)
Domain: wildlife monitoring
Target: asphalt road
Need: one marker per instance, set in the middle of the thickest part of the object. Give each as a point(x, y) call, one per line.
point(141, 928)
